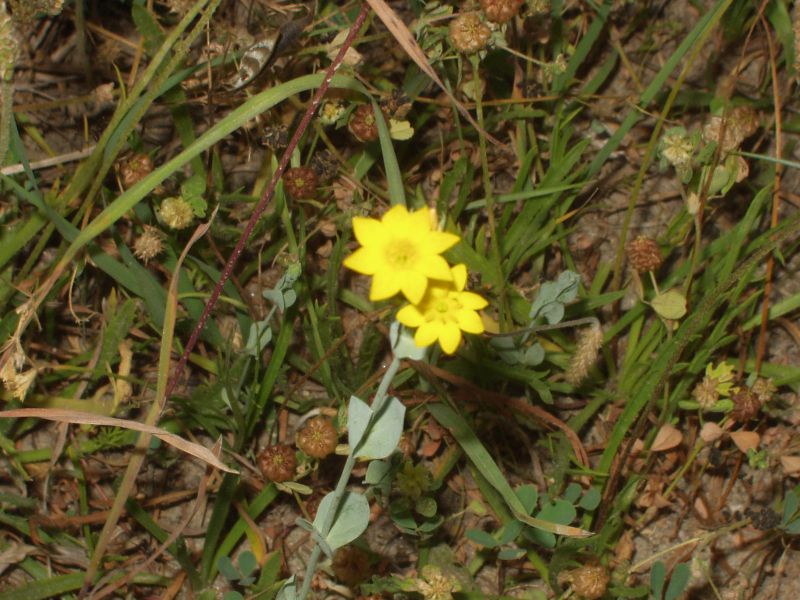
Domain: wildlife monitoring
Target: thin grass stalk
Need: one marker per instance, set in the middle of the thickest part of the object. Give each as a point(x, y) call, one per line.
point(266, 197)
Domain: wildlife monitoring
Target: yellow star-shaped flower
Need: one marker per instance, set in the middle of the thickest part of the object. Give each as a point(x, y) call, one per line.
point(444, 312)
point(402, 252)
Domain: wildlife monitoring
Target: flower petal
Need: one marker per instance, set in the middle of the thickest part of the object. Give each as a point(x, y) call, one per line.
point(435, 267)
point(420, 221)
point(427, 334)
point(439, 241)
point(469, 321)
point(459, 273)
point(396, 217)
point(384, 285)
point(449, 338)
point(413, 285)
point(369, 232)
point(365, 261)
point(472, 300)
point(410, 316)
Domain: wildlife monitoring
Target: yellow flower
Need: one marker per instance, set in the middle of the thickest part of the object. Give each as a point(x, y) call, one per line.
point(444, 312)
point(401, 252)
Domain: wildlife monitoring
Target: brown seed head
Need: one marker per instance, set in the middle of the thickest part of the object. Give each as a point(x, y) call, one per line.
point(644, 254)
point(468, 33)
point(362, 123)
point(746, 405)
point(318, 438)
point(300, 182)
point(134, 169)
point(590, 582)
point(500, 11)
point(277, 463)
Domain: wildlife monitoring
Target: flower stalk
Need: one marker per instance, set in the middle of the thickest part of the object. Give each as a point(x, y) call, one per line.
point(378, 404)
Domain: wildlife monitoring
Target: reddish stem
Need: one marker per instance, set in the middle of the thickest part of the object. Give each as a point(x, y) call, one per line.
point(266, 197)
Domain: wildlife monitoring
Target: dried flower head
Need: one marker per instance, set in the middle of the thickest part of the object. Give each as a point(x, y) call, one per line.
point(14, 378)
point(362, 123)
point(764, 389)
point(318, 438)
point(587, 349)
point(135, 168)
point(175, 212)
point(677, 148)
point(277, 463)
point(746, 405)
point(705, 392)
point(300, 182)
point(435, 585)
point(350, 565)
point(740, 124)
point(468, 33)
point(589, 582)
point(149, 244)
point(644, 254)
point(500, 11)
point(325, 166)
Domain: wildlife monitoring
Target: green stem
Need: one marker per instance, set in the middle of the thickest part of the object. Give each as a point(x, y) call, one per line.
point(338, 493)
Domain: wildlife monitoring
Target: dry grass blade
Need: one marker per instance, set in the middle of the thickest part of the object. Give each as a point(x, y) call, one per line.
point(403, 36)
point(75, 416)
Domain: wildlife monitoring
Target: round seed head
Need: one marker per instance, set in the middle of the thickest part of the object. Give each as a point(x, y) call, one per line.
point(644, 254)
point(468, 33)
point(318, 438)
point(277, 463)
point(500, 11)
point(746, 405)
point(135, 169)
point(362, 123)
point(300, 182)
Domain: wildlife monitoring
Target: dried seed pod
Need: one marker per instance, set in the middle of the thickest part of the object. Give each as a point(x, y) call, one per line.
point(644, 254)
point(318, 438)
point(590, 582)
point(362, 123)
point(746, 405)
point(134, 169)
point(149, 244)
point(350, 565)
point(468, 33)
point(500, 11)
point(300, 182)
point(277, 463)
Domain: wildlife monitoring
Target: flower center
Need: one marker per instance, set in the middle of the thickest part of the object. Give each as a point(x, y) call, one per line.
point(401, 254)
